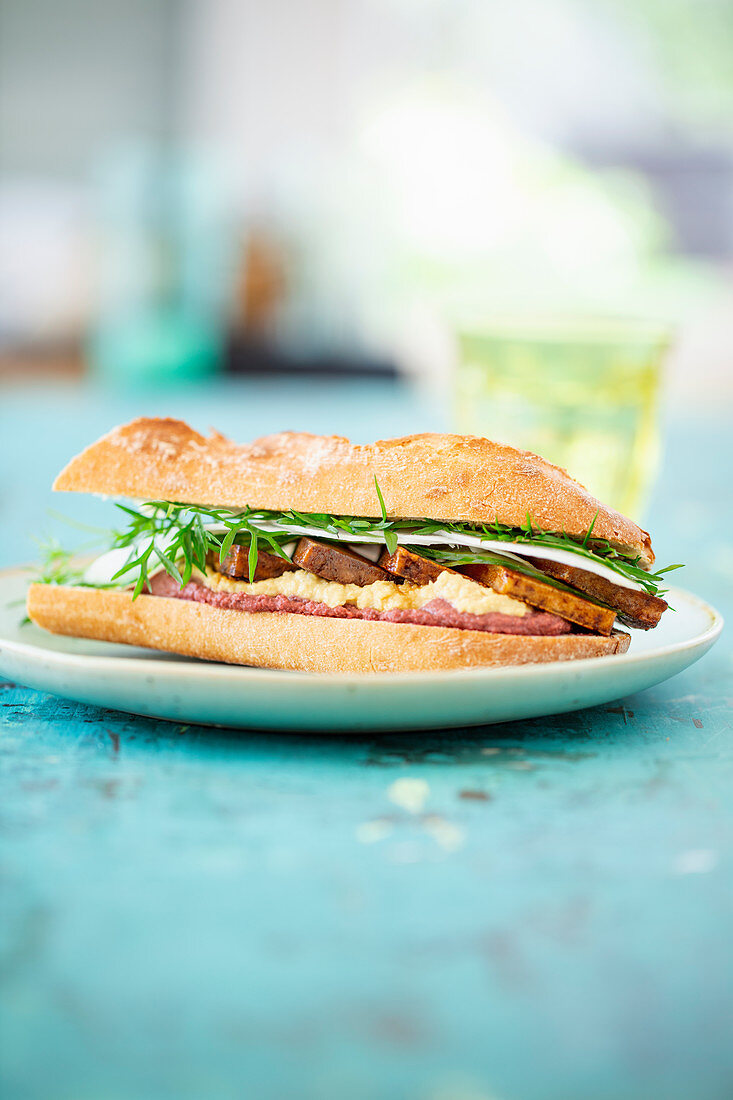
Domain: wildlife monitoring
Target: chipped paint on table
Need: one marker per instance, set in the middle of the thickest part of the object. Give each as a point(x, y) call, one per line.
point(536, 911)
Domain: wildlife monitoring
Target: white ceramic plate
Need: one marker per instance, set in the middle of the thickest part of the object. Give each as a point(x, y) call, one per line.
point(166, 686)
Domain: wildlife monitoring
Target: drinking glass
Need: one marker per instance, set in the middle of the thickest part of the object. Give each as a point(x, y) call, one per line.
point(581, 393)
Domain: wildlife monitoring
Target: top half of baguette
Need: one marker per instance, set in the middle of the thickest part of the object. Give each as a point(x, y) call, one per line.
point(454, 478)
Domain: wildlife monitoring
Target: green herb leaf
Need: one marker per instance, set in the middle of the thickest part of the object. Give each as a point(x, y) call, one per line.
point(182, 529)
point(253, 555)
point(227, 544)
point(169, 565)
point(390, 539)
point(589, 532)
point(381, 500)
point(56, 565)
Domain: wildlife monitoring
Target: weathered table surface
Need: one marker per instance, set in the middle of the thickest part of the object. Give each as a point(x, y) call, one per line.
point(546, 914)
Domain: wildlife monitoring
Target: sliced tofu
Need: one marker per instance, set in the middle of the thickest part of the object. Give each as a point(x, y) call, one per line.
point(413, 568)
point(337, 563)
point(536, 593)
point(236, 564)
point(637, 609)
point(508, 582)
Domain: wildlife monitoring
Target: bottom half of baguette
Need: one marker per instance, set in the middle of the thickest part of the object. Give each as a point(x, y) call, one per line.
point(295, 642)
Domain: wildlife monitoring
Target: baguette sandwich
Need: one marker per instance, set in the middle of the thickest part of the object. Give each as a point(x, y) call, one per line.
point(310, 553)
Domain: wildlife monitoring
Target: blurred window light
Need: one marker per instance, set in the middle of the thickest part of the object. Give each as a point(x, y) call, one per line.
point(44, 261)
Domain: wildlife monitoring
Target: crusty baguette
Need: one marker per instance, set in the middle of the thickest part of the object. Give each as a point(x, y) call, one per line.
point(442, 477)
point(295, 642)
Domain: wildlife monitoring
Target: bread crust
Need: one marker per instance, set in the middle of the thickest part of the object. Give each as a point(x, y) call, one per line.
point(455, 478)
point(294, 642)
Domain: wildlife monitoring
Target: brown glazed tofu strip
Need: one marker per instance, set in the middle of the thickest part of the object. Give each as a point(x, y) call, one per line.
point(537, 594)
point(236, 564)
point(634, 608)
point(337, 563)
point(508, 582)
point(417, 570)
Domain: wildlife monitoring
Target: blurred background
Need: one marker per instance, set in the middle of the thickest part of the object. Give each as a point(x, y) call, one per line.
point(373, 217)
point(506, 219)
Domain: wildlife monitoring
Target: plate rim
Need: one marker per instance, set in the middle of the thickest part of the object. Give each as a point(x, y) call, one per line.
point(214, 669)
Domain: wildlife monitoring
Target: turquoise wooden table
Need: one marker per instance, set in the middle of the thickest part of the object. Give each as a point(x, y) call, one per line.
point(543, 911)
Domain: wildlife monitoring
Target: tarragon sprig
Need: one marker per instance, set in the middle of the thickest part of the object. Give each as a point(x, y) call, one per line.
point(166, 534)
point(56, 565)
point(169, 534)
point(59, 566)
point(594, 549)
point(178, 537)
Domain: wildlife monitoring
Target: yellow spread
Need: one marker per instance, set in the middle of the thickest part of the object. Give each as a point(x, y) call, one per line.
point(463, 594)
